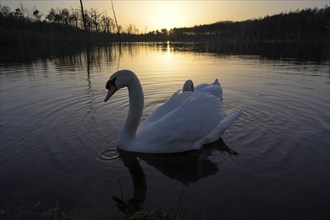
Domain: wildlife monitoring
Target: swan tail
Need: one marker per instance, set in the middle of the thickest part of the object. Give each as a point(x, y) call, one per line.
point(216, 82)
point(221, 127)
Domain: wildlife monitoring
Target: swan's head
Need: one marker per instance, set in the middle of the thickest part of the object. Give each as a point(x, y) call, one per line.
point(118, 80)
point(188, 86)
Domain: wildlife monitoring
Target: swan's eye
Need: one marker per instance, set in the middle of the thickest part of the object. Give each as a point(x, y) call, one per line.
point(111, 83)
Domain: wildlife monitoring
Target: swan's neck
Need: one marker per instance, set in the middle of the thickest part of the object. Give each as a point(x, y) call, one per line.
point(136, 103)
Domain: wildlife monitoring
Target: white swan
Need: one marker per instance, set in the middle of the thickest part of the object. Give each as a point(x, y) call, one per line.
point(185, 122)
point(213, 88)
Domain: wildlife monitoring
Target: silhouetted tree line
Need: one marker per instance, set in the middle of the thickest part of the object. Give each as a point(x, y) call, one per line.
point(307, 24)
point(24, 26)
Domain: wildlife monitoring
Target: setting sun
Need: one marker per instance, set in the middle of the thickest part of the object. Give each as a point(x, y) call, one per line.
point(168, 24)
point(156, 15)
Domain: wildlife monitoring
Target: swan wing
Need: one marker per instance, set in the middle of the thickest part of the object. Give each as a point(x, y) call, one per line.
point(222, 126)
point(171, 104)
point(183, 128)
point(212, 89)
point(201, 86)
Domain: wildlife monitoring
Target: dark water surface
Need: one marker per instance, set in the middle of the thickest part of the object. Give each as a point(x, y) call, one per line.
point(58, 152)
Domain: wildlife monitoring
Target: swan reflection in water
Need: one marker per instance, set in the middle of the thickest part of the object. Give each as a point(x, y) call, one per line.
point(187, 167)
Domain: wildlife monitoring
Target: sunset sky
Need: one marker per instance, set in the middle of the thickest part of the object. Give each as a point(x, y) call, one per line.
point(157, 14)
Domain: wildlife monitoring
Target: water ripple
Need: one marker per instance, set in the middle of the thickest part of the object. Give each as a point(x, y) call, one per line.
point(109, 154)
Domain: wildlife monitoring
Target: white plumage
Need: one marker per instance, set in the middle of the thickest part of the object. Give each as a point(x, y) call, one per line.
point(185, 122)
point(213, 88)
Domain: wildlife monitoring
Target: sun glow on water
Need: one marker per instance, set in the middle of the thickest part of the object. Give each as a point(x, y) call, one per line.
point(168, 50)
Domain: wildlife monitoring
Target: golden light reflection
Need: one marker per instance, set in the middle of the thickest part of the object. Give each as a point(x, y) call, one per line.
point(168, 50)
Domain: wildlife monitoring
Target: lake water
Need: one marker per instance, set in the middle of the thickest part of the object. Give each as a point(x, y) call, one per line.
point(58, 152)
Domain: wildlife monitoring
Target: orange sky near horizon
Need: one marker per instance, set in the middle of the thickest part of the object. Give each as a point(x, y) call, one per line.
point(158, 14)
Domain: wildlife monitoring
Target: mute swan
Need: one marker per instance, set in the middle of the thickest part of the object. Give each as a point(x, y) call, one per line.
point(213, 88)
point(185, 122)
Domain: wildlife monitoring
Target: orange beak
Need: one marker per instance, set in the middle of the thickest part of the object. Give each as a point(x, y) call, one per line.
point(111, 91)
